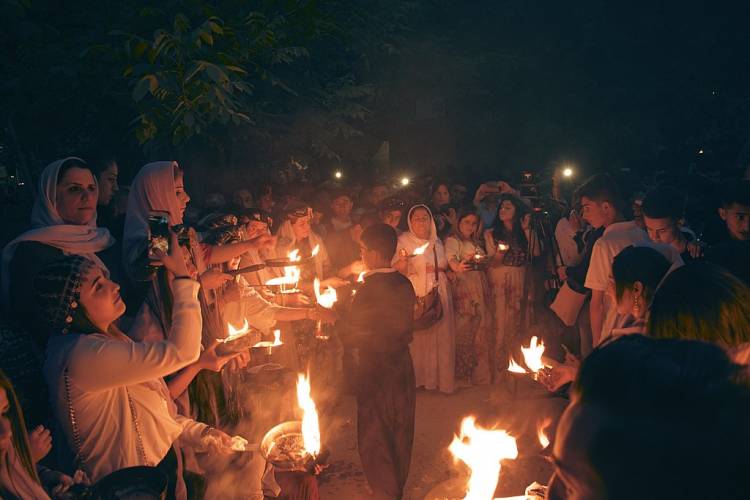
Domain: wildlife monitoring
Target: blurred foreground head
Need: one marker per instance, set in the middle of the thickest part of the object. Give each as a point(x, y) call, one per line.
point(653, 419)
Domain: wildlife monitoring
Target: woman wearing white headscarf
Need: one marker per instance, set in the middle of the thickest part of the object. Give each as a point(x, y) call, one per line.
point(63, 222)
point(432, 350)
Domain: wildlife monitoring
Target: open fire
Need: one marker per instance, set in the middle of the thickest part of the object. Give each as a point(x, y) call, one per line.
point(482, 450)
point(541, 433)
point(291, 273)
point(310, 425)
point(327, 298)
point(532, 356)
point(235, 333)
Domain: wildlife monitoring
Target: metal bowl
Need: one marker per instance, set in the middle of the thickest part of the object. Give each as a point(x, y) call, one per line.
point(286, 430)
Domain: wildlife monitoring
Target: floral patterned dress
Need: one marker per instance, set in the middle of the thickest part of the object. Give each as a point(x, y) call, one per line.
point(472, 303)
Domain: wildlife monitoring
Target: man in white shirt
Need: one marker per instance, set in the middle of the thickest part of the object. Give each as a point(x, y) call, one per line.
point(601, 207)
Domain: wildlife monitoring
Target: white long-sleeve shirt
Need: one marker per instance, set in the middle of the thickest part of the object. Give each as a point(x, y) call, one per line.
point(103, 371)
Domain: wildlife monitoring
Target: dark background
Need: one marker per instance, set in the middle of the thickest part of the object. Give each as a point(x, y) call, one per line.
point(468, 89)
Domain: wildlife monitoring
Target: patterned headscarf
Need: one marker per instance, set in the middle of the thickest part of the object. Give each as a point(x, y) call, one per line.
point(57, 289)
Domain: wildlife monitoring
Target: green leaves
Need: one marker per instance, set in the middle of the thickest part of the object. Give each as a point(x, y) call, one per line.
point(207, 72)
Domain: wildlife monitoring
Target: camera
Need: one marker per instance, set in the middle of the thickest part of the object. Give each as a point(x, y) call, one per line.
point(528, 187)
point(158, 240)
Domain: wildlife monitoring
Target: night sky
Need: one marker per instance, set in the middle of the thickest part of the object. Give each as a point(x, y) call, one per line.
point(510, 85)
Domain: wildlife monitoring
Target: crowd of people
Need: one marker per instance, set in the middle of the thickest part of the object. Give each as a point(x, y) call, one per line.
point(111, 330)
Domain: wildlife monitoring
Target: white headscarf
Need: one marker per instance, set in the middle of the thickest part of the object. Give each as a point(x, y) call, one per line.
point(409, 241)
point(152, 190)
point(50, 229)
point(287, 241)
point(433, 228)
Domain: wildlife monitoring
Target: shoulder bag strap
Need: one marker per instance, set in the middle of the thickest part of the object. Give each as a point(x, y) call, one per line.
point(434, 253)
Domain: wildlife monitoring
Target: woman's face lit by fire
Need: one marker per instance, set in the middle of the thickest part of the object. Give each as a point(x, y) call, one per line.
point(301, 227)
point(467, 226)
point(100, 299)
point(76, 196)
point(507, 211)
point(420, 223)
point(182, 197)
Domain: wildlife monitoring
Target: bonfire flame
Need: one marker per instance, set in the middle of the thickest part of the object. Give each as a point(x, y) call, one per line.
point(291, 273)
point(327, 298)
point(540, 434)
point(310, 426)
point(421, 250)
point(237, 333)
point(482, 450)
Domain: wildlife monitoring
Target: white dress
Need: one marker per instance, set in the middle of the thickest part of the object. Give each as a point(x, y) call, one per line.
point(433, 351)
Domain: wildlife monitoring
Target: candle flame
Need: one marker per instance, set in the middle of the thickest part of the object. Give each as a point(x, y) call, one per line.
point(532, 355)
point(310, 426)
point(361, 277)
point(234, 333)
point(315, 251)
point(293, 256)
point(482, 450)
point(503, 247)
point(540, 434)
point(327, 298)
point(420, 250)
point(277, 337)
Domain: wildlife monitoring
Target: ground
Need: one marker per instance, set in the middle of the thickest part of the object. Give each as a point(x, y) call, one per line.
point(518, 409)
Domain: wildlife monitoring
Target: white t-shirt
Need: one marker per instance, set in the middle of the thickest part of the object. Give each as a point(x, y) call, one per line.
point(615, 239)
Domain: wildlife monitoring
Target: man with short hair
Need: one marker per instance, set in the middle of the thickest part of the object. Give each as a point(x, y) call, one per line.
point(380, 326)
point(341, 211)
point(663, 210)
point(601, 206)
point(735, 210)
point(733, 253)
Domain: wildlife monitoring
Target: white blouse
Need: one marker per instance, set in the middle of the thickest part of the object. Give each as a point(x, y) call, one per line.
point(106, 374)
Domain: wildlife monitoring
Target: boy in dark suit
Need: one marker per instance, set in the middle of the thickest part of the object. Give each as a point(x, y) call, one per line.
point(380, 325)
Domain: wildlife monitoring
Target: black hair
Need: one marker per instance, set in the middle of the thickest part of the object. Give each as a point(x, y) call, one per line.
point(601, 188)
point(664, 202)
point(435, 186)
point(69, 164)
point(735, 192)
point(381, 238)
point(498, 228)
point(99, 161)
point(670, 409)
point(642, 264)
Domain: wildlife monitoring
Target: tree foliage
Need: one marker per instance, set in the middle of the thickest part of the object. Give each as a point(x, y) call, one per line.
point(186, 76)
